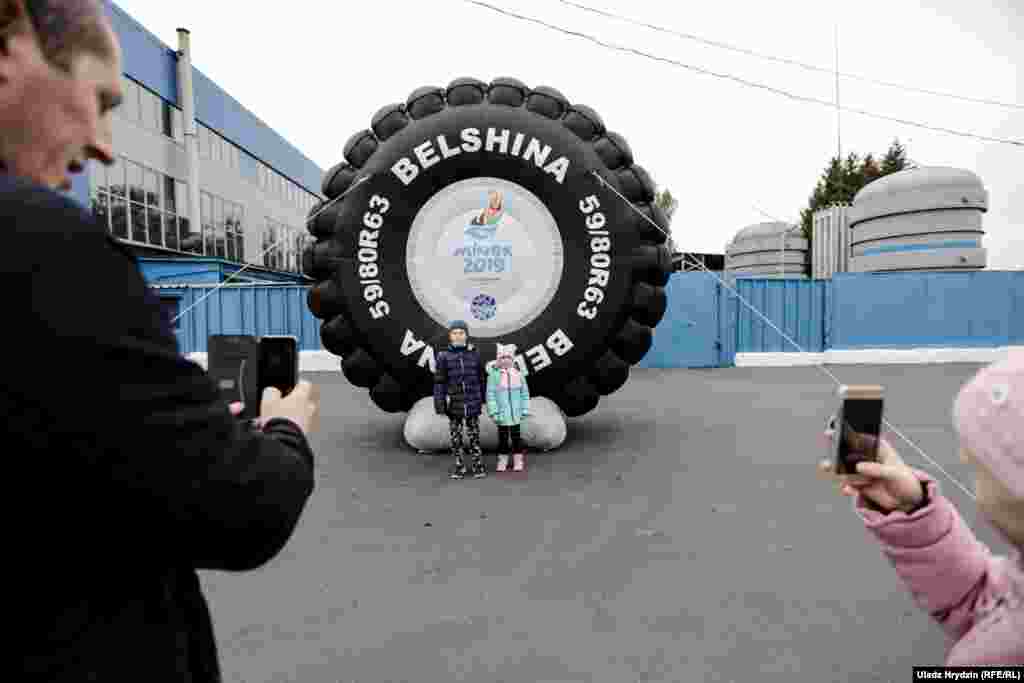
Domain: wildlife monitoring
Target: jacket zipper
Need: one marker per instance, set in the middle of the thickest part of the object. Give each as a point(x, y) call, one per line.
point(465, 402)
point(508, 385)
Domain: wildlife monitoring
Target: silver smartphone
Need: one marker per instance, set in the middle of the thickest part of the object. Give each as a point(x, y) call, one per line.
point(858, 426)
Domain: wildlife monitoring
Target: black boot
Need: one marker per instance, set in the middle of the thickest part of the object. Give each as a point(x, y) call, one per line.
point(458, 470)
point(479, 470)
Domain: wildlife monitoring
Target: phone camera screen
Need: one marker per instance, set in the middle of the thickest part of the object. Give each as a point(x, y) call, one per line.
point(860, 427)
point(278, 364)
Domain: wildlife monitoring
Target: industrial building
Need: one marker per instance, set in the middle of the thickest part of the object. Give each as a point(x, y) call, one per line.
point(197, 213)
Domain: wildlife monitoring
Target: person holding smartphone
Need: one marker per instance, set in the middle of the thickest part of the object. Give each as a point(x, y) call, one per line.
point(978, 598)
point(126, 471)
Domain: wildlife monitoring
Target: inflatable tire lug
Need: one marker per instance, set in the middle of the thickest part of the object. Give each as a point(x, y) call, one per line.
point(324, 257)
point(614, 151)
point(578, 397)
point(360, 369)
point(325, 300)
point(466, 91)
point(337, 336)
point(547, 102)
point(325, 223)
point(338, 179)
point(310, 220)
point(584, 122)
point(307, 261)
point(637, 185)
point(652, 264)
point(508, 92)
point(359, 148)
point(609, 374)
point(653, 226)
point(633, 342)
point(424, 102)
point(388, 121)
point(388, 395)
point(649, 304)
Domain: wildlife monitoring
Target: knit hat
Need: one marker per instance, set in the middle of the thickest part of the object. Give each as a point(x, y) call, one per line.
point(458, 325)
point(988, 413)
point(506, 351)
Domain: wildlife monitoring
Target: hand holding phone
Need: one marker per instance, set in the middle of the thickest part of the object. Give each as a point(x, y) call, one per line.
point(244, 366)
point(858, 427)
point(301, 406)
point(864, 462)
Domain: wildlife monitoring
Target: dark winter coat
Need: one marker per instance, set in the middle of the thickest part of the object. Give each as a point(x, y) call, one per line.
point(459, 382)
point(126, 470)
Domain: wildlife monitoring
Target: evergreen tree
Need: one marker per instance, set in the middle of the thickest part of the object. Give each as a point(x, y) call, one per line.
point(895, 159)
point(669, 204)
point(842, 180)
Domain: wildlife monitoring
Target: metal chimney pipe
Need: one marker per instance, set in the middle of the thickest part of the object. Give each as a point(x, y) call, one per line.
point(187, 100)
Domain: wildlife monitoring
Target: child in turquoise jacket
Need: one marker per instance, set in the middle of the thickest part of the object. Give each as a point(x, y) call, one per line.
point(508, 403)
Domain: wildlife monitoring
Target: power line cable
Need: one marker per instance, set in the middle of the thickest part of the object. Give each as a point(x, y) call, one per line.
point(742, 81)
point(791, 62)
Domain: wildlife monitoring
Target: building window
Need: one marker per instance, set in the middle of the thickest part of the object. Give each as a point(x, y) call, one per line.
point(167, 119)
point(276, 185)
point(282, 246)
point(223, 227)
point(139, 204)
point(146, 108)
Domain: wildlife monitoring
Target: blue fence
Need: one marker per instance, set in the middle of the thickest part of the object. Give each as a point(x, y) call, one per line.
point(257, 310)
point(705, 325)
point(901, 310)
point(981, 309)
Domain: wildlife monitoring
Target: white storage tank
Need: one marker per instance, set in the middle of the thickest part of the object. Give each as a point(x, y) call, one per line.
point(919, 219)
point(768, 250)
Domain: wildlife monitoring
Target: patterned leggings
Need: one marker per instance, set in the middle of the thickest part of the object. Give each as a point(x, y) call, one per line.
point(461, 449)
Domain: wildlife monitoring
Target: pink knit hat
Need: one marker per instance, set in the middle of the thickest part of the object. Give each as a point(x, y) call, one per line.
point(989, 415)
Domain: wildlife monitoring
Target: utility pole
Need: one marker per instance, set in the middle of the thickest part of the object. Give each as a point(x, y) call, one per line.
point(839, 112)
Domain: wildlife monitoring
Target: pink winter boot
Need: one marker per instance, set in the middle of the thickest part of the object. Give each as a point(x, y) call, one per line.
point(518, 462)
point(502, 463)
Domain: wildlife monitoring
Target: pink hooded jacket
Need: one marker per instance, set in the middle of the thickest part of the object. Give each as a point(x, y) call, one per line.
point(977, 597)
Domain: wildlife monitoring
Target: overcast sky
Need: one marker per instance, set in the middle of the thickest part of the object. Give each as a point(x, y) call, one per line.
point(318, 73)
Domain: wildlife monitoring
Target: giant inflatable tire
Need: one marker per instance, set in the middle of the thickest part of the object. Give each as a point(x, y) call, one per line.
point(483, 202)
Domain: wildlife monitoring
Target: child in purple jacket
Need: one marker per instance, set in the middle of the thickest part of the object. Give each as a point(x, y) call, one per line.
point(977, 597)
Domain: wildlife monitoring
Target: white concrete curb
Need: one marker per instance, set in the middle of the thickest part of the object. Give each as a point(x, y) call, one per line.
point(309, 361)
point(874, 357)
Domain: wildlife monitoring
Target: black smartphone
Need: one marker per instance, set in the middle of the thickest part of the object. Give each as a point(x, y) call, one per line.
point(279, 363)
point(859, 416)
point(234, 365)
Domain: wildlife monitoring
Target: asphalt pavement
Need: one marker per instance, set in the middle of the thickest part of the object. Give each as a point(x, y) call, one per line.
point(680, 534)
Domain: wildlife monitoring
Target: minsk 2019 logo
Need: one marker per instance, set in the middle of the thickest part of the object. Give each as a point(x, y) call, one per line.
point(483, 307)
point(486, 259)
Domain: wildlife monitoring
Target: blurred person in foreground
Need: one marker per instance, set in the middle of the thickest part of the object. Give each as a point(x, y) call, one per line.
point(977, 597)
point(129, 473)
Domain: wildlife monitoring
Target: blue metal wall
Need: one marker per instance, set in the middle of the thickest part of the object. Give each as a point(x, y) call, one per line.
point(689, 335)
point(981, 309)
point(154, 64)
point(262, 310)
point(796, 307)
point(901, 310)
